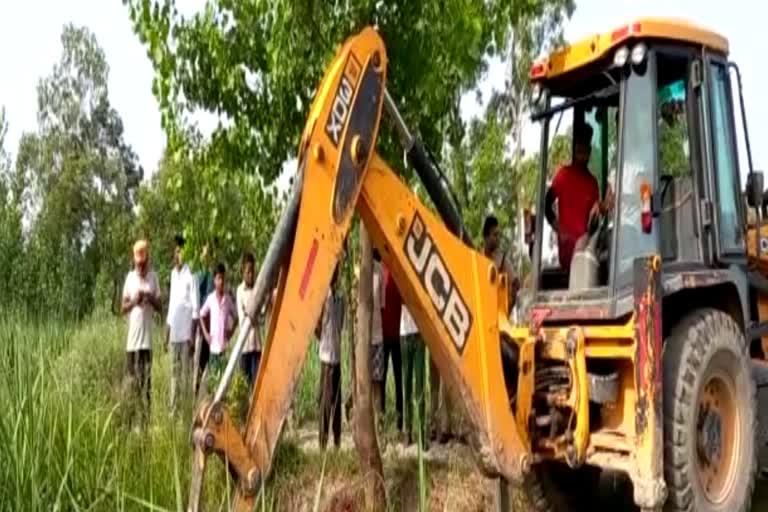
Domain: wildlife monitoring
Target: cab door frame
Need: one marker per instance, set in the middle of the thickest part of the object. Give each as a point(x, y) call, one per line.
point(723, 255)
point(699, 169)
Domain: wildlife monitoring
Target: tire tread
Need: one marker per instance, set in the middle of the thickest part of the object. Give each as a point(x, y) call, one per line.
point(685, 354)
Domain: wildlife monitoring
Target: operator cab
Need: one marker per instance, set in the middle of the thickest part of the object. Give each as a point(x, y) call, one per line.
point(595, 122)
point(656, 98)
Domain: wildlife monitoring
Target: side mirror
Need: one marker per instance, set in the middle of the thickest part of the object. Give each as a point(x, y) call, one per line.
point(754, 189)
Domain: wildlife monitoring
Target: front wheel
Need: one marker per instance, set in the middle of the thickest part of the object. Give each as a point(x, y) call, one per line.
point(710, 416)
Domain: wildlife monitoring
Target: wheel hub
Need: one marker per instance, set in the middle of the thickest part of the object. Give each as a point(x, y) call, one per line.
point(710, 435)
point(717, 436)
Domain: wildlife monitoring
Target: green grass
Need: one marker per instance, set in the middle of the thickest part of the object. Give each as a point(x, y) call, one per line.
point(63, 436)
point(66, 443)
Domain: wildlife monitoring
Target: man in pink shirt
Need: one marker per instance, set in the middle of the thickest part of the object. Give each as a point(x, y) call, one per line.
point(222, 315)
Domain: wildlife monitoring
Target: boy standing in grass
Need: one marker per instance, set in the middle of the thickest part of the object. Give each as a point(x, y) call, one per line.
point(205, 287)
point(141, 298)
point(414, 361)
point(183, 307)
point(390, 322)
point(221, 315)
point(251, 354)
point(331, 324)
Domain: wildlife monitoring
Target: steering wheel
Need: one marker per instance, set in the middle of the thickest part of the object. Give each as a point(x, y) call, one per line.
point(597, 222)
point(597, 226)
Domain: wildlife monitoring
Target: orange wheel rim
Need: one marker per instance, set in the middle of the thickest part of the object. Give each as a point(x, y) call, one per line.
point(718, 436)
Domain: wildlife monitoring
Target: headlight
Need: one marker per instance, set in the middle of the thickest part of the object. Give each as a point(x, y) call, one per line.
point(538, 97)
point(536, 92)
point(638, 53)
point(620, 57)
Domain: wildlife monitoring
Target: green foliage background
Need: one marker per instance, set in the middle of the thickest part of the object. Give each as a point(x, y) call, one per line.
point(75, 197)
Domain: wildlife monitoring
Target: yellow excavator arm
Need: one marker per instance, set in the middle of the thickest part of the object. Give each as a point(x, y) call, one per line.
point(455, 294)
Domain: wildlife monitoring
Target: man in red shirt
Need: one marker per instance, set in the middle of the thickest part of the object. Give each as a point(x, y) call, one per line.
point(576, 192)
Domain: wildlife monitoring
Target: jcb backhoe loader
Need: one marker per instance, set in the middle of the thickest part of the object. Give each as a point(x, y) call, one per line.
point(641, 358)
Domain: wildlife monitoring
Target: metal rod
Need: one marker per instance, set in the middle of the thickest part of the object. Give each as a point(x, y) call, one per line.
point(268, 273)
point(743, 115)
point(538, 239)
point(758, 207)
point(561, 107)
point(406, 139)
point(427, 170)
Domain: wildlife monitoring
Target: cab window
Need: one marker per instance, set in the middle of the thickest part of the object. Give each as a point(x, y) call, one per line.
point(726, 166)
point(637, 172)
point(601, 119)
point(677, 219)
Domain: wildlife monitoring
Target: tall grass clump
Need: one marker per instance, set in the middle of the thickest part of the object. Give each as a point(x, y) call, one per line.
point(64, 439)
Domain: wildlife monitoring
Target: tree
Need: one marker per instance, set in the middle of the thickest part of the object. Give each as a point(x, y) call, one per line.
point(190, 196)
point(78, 178)
point(488, 166)
point(673, 140)
point(11, 242)
point(480, 166)
point(364, 433)
point(257, 65)
point(532, 35)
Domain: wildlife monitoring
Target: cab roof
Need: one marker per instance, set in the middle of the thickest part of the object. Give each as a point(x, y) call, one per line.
point(594, 48)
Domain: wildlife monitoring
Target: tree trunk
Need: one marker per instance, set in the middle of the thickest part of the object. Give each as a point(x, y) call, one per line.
point(116, 298)
point(364, 426)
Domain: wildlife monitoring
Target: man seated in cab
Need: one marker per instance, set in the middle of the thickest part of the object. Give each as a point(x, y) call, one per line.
point(578, 197)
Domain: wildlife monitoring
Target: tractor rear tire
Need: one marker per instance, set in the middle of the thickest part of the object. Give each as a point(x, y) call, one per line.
point(710, 415)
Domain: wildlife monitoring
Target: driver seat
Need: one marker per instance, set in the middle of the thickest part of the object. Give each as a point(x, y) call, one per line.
point(678, 236)
point(585, 265)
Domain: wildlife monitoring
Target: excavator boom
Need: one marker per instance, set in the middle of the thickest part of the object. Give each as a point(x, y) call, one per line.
point(457, 297)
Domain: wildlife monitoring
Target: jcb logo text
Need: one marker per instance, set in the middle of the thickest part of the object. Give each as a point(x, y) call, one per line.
point(342, 102)
point(339, 111)
point(438, 283)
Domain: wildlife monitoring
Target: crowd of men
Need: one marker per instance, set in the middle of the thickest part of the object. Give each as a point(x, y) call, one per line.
point(395, 341)
point(203, 316)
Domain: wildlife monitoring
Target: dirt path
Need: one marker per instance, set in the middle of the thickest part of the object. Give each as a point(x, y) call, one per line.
point(306, 439)
point(454, 482)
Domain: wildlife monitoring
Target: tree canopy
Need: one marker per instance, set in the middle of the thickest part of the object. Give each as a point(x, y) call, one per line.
point(488, 165)
point(74, 184)
point(257, 63)
point(75, 196)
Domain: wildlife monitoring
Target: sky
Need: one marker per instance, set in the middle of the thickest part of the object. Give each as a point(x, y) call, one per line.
point(30, 32)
